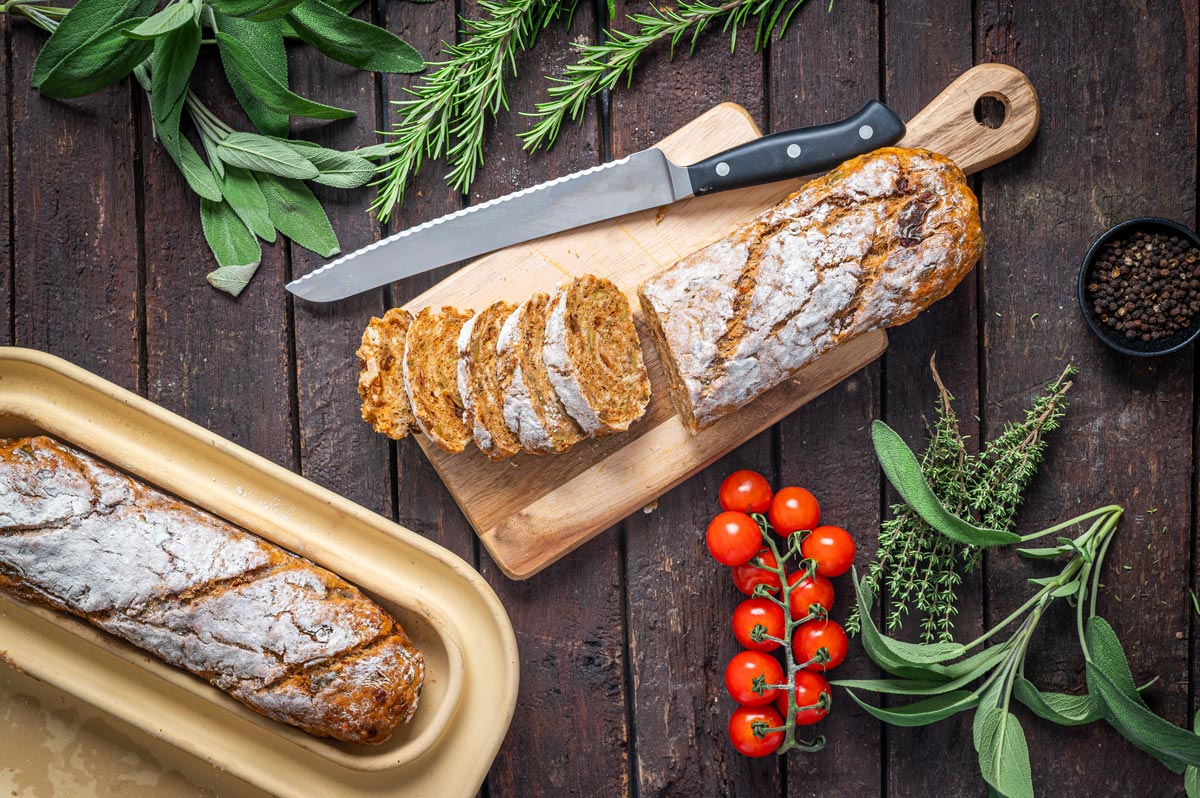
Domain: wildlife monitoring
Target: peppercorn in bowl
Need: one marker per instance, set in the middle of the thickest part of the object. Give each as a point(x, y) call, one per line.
point(1139, 287)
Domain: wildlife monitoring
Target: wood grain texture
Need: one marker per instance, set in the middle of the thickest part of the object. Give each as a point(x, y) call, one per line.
point(1042, 210)
point(531, 511)
point(75, 222)
point(679, 600)
point(570, 629)
point(224, 363)
point(927, 45)
point(327, 334)
point(821, 70)
point(6, 193)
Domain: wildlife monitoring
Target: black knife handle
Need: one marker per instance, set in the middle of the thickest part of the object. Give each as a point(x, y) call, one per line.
point(795, 153)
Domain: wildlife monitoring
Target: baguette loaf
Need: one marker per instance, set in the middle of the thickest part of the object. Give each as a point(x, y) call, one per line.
point(869, 245)
point(284, 637)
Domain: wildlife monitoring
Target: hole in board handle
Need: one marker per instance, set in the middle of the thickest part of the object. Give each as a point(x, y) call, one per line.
point(991, 110)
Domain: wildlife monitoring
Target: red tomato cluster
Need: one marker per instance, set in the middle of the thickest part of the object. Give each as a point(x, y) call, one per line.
point(755, 678)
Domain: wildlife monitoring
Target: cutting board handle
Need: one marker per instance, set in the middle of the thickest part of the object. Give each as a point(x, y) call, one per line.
point(948, 124)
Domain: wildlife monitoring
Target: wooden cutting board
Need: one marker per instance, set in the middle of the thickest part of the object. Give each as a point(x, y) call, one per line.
point(529, 511)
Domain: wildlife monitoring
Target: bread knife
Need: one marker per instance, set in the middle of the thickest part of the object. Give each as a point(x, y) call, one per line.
point(646, 179)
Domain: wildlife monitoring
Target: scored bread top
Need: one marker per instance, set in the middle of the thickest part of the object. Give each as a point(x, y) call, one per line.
point(385, 404)
point(431, 376)
point(868, 245)
point(532, 409)
point(593, 356)
point(479, 382)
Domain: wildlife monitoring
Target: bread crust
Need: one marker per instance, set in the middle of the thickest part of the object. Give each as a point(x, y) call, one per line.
point(867, 246)
point(286, 638)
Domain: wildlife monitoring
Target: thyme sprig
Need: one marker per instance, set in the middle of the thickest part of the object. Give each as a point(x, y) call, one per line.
point(921, 569)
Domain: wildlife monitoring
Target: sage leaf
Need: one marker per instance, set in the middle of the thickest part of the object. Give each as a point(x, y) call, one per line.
point(336, 169)
point(375, 151)
point(904, 472)
point(894, 656)
point(345, 6)
point(242, 192)
point(1061, 708)
point(198, 176)
point(174, 16)
point(1003, 752)
point(255, 10)
point(210, 149)
point(171, 65)
point(265, 40)
point(917, 686)
point(921, 713)
point(298, 215)
point(230, 240)
point(101, 61)
point(232, 279)
point(1109, 680)
point(267, 89)
point(1049, 553)
point(85, 21)
point(1191, 774)
point(352, 41)
point(262, 154)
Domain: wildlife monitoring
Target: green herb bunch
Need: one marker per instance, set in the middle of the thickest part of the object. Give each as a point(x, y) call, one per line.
point(922, 569)
point(449, 109)
point(253, 183)
point(949, 679)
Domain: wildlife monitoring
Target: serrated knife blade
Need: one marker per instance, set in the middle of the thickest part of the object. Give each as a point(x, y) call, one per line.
point(647, 179)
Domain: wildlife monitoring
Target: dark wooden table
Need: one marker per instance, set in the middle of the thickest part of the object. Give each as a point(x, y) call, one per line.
point(623, 643)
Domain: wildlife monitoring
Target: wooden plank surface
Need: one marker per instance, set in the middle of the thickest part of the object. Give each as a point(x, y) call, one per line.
point(611, 703)
point(1042, 210)
point(679, 600)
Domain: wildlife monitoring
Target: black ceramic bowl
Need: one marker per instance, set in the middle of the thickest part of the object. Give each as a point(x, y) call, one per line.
point(1113, 338)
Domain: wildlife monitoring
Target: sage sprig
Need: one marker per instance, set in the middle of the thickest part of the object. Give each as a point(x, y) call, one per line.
point(251, 184)
point(992, 678)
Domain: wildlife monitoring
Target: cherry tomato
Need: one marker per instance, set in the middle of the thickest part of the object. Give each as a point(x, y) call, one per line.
point(744, 670)
point(758, 612)
point(805, 592)
point(832, 548)
point(809, 686)
point(733, 538)
point(794, 509)
point(745, 491)
point(741, 730)
point(815, 635)
point(745, 577)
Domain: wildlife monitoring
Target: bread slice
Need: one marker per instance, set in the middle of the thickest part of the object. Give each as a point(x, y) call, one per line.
point(867, 246)
point(532, 409)
point(479, 383)
point(385, 404)
point(593, 356)
point(431, 376)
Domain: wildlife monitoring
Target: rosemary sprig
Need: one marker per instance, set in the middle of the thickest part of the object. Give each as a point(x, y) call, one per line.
point(922, 569)
point(602, 66)
point(450, 107)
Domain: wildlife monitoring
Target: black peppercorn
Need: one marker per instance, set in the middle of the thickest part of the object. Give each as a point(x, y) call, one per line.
point(1145, 285)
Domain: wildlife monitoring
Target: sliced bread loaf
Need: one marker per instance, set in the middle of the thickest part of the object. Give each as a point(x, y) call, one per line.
point(593, 356)
point(385, 404)
point(431, 376)
point(532, 409)
point(479, 382)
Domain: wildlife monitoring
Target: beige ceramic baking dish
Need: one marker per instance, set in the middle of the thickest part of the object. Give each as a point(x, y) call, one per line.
point(446, 607)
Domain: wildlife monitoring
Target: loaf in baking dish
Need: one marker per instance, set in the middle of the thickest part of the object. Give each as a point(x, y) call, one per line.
point(284, 637)
point(867, 246)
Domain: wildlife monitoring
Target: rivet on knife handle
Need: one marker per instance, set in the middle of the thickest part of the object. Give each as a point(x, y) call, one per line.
point(795, 153)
